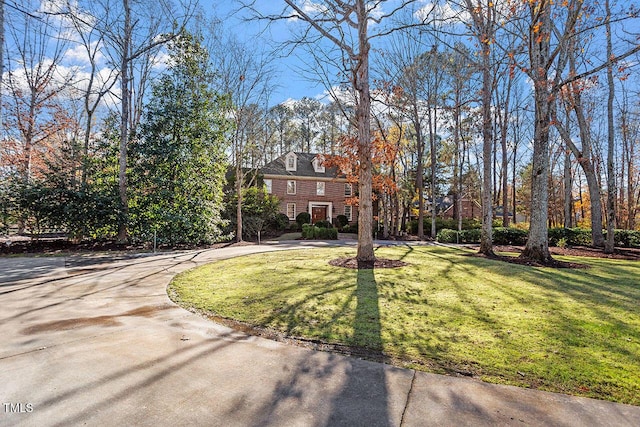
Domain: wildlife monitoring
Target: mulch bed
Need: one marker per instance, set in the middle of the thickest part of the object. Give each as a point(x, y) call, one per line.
point(630, 254)
point(355, 264)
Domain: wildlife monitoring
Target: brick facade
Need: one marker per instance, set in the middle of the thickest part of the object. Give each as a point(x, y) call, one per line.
point(306, 176)
point(306, 195)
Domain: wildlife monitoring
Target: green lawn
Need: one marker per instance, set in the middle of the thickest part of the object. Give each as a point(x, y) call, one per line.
point(564, 330)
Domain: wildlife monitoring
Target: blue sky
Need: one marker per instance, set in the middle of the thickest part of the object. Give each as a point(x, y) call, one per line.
point(290, 84)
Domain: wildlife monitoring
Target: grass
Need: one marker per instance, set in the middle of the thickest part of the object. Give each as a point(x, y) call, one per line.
point(575, 331)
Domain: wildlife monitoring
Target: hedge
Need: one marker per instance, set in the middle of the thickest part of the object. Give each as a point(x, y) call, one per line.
point(509, 236)
point(626, 238)
point(443, 223)
point(311, 232)
point(571, 236)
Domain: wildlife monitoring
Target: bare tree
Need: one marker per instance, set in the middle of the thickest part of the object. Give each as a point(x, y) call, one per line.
point(307, 112)
point(133, 36)
point(345, 25)
point(407, 69)
point(245, 77)
point(484, 18)
point(550, 30)
point(96, 86)
point(611, 177)
point(34, 81)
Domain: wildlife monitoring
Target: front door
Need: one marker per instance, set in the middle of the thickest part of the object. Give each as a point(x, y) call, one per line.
point(318, 213)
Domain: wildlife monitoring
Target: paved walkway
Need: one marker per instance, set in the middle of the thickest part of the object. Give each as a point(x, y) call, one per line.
point(96, 341)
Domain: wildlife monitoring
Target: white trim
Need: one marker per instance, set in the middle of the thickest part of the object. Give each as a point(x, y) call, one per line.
point(318, 166)
point(320, 188)
point(294, 211)
point(295, 187)
point(328, 205)
point(294, 167)
point(350, 189)
point(350, 216)
point(304, 178)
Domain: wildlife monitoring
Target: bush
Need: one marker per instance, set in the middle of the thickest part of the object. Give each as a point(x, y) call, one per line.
point(509, 236)
point(311, 232)
point(556, 234)
point(303, 218)
point(280, 222)
point(342, 221)
point(446, 235)
point(627, 238)
point(442, 223)
point(579, 237)
point(470, 236)
point(353, 229)
point(570, 236)
point(323, 224)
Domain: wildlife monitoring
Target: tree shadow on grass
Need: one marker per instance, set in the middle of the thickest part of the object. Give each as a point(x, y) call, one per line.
point(365, 388)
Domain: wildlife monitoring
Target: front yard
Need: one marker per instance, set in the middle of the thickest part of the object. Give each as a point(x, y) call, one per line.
point(574, 331)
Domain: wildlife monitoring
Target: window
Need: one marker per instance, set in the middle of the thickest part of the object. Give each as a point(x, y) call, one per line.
point(317, 164)
point(348, 212)
point(291, 187)
point(320, 189)
point(291, 211)
point(348, 190)
point(267, 186)
point(291, 162)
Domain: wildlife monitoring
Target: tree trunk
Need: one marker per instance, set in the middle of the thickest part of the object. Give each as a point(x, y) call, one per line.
point(505, 159)
point(457, 167)
point(363, 116)
point(1, 63)
point(537, 247)
point(486, 238)
point(419, 169)
point(611, 178)
point(434, 166)
point(568, 199)
point(124, 125)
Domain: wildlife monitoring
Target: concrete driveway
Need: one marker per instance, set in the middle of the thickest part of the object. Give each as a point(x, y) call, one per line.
point(90, 340)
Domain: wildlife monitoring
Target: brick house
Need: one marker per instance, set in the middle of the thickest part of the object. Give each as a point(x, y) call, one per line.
point(303, 184)
point(470, 208)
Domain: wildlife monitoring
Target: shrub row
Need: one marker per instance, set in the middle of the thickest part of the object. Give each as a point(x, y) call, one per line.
point(312, 232)
point(627, 238)
point(516, 236)
point(570, 236)
point(501, 236)
point(443, 223)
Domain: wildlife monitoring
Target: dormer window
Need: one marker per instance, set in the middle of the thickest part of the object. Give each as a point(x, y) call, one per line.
point(291, 162)
point(318, 165)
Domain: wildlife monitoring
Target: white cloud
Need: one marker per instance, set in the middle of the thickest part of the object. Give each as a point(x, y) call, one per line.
point(441, 12)
point(79, 55)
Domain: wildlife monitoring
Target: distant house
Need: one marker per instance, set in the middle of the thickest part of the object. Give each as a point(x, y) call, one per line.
point(304, 184)
point(470, 208)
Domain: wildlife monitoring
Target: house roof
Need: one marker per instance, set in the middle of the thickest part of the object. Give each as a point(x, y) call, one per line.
point(304, 167)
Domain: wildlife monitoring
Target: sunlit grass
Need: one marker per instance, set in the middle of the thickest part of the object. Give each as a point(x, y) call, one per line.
point(575, 331)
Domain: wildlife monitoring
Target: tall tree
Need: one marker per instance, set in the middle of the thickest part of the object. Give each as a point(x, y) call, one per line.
point(484, 18)
point(611, 177)
point(408, 68)
point(345, 25)
point(179, 158)
point(134, 32)
point(34, 83)
point(245, 78)
point(551, 29)
point(307, 112)
point(99, 82)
